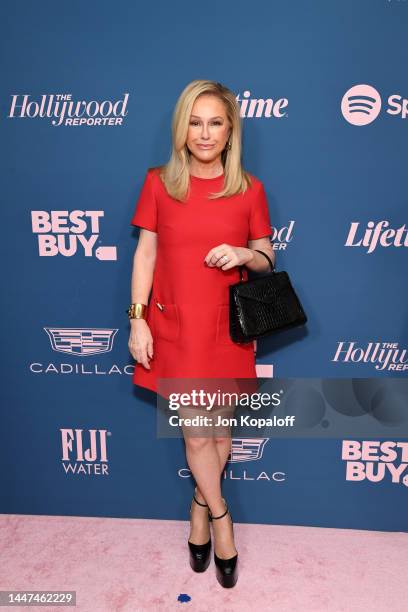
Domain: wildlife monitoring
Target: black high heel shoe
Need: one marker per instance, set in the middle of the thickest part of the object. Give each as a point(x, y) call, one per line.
point(199, 553)
point(226, 569)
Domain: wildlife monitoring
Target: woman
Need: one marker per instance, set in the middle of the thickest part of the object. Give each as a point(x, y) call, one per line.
point(202, 215)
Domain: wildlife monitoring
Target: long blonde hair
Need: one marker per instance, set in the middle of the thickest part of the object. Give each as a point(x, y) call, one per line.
point(175, 174)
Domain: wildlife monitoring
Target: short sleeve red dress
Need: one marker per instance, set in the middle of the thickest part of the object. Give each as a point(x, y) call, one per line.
point(188, 310)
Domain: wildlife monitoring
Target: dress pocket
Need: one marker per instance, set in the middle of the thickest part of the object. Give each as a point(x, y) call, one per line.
point(222, 335)
point(166, 321)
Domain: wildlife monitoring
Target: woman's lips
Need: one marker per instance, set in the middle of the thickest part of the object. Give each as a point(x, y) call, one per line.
point(205, 146)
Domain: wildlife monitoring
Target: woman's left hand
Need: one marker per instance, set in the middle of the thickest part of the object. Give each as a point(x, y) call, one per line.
point(225, 256)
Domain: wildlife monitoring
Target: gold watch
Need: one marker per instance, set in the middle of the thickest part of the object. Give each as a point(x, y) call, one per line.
point(137, 311)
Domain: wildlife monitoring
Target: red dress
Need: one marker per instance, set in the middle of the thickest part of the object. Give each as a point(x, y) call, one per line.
point(191, 331)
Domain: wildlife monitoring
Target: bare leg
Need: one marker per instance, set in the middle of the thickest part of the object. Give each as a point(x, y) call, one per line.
point(206, 457)
point(223, 446)
point(203, 461)
point(223, 533)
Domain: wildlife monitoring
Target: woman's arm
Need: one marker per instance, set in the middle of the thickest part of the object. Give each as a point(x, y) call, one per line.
point(144, 261)
point(242, 256)
point(257, 262)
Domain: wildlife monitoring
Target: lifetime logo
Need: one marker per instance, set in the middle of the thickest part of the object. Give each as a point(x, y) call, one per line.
point(376, 234)
point(361, 105)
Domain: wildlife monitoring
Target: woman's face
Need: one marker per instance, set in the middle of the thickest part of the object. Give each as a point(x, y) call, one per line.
point(208, 126)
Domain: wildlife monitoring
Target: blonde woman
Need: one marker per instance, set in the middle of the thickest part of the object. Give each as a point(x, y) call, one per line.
point(201, 216)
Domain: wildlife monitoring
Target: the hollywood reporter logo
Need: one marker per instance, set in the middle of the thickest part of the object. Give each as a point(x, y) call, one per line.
point(376, 461)
point(382, 355)
point(62, 109)
point(61, 232)
point(85, 451)
point(281, 237)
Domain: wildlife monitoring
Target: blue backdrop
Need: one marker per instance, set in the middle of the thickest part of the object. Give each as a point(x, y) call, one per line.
point(88, 92)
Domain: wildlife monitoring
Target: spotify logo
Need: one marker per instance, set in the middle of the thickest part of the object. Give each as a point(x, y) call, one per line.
point(361, 104)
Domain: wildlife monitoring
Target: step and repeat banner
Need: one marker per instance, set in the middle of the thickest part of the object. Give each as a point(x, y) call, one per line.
point(87, 96)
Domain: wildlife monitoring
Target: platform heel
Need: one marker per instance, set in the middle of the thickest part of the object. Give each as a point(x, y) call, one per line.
point(199, 553)
point(226, 569)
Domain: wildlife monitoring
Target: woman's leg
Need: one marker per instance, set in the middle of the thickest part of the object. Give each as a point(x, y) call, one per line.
point(225, 547)
point(202, 459)
point(206, 458)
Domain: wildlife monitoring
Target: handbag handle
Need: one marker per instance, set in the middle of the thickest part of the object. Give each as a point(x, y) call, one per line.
point(265, 255)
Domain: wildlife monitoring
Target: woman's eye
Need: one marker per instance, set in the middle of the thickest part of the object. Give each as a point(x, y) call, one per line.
point(197, 123)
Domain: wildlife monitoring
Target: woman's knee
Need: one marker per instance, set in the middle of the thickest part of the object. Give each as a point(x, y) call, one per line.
point(196, 443)
point(222, 440)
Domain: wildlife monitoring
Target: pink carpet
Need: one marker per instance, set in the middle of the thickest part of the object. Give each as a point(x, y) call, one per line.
point(137, 565)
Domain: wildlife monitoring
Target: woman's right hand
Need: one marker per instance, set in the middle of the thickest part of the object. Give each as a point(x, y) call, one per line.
point(141, 342)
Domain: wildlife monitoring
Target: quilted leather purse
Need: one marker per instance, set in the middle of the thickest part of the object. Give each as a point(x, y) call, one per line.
point(263, 305)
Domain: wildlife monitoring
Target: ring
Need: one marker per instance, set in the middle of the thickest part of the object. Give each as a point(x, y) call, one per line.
point(224, 257)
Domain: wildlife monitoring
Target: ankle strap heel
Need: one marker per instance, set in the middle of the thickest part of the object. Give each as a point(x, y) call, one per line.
point(199, 503)
point(226, 569)
point(199, 553)
point(211, 517)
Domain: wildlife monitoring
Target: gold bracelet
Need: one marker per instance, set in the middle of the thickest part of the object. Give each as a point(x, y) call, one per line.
point(137, 311)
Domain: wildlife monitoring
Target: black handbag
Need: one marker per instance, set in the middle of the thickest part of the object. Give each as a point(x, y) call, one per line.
point(263, 305)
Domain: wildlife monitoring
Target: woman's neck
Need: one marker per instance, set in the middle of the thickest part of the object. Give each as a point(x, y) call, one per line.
point(206, 170)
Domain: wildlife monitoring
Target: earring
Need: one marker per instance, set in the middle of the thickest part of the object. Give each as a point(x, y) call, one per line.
point(228, 146)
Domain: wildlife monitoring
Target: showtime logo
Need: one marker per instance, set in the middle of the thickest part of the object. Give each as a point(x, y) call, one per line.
point(61, 232)
point(85, 453)
point(376, 461)
point(63, 110)
point(383, 355)
point(361, 105)
point(376, 234)
point(259, 107)
point(243, 450)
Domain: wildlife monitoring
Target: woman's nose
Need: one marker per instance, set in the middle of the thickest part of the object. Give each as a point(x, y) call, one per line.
point(204, 132)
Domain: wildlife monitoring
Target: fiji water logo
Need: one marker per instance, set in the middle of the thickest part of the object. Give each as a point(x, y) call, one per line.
point(384, 356)
point(65, 233)
point(84, 451)
point(63, 109)
point(376, 235)
point(376, 461)
point(361, 105)
point(81, 341)
point(261, 107)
